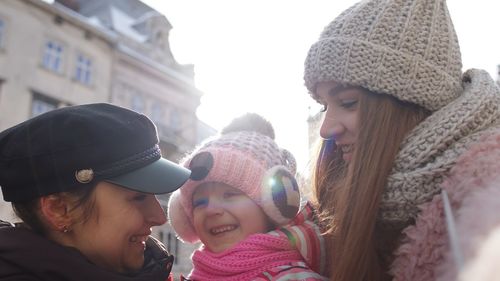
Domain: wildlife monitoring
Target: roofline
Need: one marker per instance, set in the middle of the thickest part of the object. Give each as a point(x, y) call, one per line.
point(114, 39)
point(122, 48)
point(76, 19)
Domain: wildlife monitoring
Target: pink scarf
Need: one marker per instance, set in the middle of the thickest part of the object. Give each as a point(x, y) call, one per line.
point(246, 260)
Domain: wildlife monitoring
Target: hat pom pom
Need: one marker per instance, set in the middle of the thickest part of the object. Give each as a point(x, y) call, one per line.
point(179, 219)
point(250, 122)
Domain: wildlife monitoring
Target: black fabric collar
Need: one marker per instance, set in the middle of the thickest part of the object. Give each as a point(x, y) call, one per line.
point(33, 255)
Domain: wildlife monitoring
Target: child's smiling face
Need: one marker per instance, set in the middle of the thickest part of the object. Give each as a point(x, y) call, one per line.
point(223, 216)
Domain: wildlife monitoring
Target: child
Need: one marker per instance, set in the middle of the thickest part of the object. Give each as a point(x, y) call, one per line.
point(242, 201)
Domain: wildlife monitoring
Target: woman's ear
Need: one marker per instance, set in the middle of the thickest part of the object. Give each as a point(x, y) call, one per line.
point(54, 210)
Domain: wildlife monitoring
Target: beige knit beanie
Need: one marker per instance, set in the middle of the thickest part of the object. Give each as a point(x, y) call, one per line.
point(404, 48)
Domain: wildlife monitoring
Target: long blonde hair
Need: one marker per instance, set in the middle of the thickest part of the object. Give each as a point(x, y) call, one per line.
point(348, 196)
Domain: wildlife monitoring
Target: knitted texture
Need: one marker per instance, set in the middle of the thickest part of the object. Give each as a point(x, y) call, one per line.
point(432, 148)
point(293, 252)
point(247, 160)
point(476, 190)
point(292, 271)
point(473, 189)
point(407, 49)
point(305, 235)
point(247, 259)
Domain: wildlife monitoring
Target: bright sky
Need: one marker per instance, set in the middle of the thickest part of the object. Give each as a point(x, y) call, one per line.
point(249, 55)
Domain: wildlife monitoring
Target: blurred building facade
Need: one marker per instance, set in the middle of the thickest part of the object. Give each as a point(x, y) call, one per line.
point(498, 75)
point(83, 51)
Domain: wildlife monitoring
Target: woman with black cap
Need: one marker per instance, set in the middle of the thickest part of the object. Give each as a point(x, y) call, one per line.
point(83, 179)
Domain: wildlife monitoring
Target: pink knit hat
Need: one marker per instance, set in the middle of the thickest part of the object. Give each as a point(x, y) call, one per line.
point(245, 157)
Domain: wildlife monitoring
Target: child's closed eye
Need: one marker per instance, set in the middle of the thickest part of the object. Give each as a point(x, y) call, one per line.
point(200, 202)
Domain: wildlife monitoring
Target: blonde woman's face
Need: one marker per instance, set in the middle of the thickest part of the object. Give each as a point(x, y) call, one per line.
point(223, 216)
point(341, 115)
point(115, 235)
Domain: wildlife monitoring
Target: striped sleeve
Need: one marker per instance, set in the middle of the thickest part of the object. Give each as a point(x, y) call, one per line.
point(291, 272)
point(305, 235)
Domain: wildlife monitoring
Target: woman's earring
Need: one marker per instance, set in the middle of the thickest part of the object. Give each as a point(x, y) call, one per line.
point(65, 229)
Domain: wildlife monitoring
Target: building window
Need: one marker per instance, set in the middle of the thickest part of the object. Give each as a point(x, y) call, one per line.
point(138, 103)
point(172, 244)
point(52, 56)
point(175, 119)
point(83, 70)
point(2, 33)
point(42, 104)
point(1, 85)
point(157, 114)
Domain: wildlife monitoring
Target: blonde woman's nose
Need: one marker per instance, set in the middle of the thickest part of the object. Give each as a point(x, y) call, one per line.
point(331, 128)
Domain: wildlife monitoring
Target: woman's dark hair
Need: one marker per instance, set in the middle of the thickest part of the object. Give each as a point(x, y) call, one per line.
point(29, 211)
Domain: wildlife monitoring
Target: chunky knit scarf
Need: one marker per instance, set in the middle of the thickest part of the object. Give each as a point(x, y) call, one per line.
point(245, 261)
point(432, 148)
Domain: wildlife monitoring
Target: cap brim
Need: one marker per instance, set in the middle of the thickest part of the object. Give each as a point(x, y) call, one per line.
point(161, 176)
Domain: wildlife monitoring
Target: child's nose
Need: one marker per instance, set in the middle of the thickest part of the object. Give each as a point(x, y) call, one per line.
point(214, 208)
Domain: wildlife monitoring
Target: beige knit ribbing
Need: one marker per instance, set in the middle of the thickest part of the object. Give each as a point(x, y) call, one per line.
point(433, 146)
point(407, 49)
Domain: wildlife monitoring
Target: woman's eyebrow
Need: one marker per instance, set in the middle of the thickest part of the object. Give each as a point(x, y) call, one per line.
point(340, 88)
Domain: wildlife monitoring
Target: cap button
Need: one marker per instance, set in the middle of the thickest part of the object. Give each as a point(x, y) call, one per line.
point(84, 175)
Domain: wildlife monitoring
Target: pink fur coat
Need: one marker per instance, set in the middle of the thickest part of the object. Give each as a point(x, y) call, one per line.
point(473, 187)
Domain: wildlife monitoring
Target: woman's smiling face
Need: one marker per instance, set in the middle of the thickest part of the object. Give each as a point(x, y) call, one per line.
point(341, 115)
point(114, 236)
point(223, 216)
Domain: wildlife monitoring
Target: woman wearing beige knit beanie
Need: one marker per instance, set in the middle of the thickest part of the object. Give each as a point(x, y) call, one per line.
point(400, 122)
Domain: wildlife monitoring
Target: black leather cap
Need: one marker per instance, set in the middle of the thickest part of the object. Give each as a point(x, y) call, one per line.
point(80, 146)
